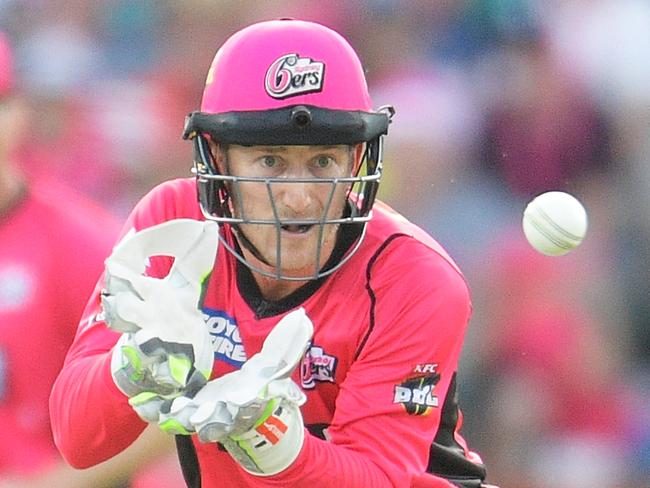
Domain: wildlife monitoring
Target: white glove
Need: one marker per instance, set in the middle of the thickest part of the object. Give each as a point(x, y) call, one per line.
point(165, 349)
point(254, 412)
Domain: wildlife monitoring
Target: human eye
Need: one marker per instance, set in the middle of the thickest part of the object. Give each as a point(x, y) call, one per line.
point(269, 161)
point(324, 162)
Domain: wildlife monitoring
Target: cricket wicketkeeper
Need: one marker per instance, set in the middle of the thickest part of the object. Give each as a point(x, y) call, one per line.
point(288, 328)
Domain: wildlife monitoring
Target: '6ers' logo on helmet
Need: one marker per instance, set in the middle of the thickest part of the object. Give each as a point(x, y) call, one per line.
point(292, 75)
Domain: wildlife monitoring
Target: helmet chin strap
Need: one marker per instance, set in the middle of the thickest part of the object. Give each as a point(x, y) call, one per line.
point(246, 243)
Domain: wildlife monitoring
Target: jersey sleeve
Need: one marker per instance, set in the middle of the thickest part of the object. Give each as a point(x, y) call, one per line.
point(388, 410)
point(91, 419)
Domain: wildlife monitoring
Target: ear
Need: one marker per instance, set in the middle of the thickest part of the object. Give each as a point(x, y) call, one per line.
point(358, 152)
point(217, 151)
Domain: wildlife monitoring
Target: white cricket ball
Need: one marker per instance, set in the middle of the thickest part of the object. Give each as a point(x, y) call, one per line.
point(555, 223)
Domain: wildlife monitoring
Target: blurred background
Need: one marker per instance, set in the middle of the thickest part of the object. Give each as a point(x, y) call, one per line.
point(497, 101)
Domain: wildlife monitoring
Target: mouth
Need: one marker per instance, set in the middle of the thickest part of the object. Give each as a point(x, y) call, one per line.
point(297, 229)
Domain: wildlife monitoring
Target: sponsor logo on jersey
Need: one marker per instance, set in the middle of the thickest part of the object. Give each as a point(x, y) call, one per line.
point(425, 368)
point(226, 340)
point(415, 393)
point(317, 365)
point(291, 75)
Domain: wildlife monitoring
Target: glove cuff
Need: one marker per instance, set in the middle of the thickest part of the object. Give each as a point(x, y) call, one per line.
point(273, 444)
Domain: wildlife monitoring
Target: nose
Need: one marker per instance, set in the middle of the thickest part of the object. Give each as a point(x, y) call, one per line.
point(295, 199)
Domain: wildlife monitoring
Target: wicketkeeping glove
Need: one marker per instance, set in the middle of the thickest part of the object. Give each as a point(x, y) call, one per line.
point(254, 412)
point(165, 349)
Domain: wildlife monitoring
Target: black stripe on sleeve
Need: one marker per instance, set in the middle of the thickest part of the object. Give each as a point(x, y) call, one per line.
point(371, 292)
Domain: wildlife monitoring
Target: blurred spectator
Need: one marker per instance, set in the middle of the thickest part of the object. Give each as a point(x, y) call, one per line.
point(555, 398)
point(435, 139)
point(608, 43)
point(543, 129)
point(113, 142)
point(43, 225)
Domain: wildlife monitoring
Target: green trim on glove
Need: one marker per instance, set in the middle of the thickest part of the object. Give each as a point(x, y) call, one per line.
point(173, 427)
point(133, 366)
point(179, 368)
point(142, 398)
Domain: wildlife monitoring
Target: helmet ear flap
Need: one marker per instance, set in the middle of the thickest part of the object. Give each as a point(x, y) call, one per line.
point(373, 167)
point(212, 194)
point(374, 158)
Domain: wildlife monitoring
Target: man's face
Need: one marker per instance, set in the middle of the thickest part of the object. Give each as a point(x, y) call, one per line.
point(298, 244)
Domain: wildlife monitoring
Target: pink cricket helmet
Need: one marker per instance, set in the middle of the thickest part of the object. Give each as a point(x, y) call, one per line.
point(286, 82)
point(281, 63)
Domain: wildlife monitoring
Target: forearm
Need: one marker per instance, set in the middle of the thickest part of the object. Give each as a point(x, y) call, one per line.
point(321, 463)
point(91, 419)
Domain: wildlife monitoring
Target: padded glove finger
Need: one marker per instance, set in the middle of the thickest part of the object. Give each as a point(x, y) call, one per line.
point(167, 349)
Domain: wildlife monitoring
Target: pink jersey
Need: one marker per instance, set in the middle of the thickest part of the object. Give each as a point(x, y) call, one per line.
point(52, 246)
point(388, 331)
